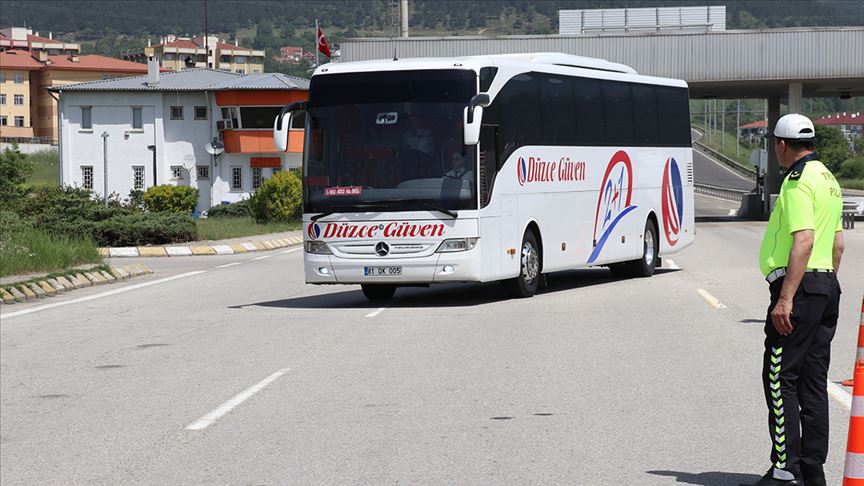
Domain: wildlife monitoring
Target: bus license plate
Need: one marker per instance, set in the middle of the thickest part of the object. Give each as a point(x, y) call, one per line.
point(382, 271)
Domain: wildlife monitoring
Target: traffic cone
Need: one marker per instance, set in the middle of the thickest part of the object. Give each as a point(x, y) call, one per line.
point(859, 356)
point(853, 473)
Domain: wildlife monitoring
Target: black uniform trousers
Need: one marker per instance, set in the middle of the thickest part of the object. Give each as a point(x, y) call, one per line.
point(795, 372)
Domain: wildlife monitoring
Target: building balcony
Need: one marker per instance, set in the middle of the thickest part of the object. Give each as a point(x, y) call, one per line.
point(259, 141)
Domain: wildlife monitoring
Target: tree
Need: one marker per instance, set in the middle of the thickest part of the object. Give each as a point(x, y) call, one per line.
point(832, 147)
point(15, 168)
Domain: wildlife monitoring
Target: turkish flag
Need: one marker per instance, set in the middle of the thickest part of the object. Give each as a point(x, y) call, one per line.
point(322, 43)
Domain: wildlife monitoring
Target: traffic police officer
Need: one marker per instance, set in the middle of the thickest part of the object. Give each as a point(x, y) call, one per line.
point(800, 254)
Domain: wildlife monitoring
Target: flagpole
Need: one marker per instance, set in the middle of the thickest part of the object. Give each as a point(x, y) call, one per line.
point(317, 42)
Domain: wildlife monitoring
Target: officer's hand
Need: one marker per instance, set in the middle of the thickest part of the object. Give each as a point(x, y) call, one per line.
point(780, 317)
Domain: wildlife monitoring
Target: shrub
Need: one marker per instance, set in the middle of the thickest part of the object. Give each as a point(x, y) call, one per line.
point(278, 198)
point(234, 210)
point(144, 229)
point(66, 211)
point(175, 199)
point(852, 168)
point(15, 168)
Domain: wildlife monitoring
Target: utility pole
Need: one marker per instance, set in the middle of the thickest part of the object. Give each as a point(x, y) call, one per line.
point(317, 42)
point(723, 127)
point(403, 16)
point(206, 39)
point(738, 130)
point(105, 166)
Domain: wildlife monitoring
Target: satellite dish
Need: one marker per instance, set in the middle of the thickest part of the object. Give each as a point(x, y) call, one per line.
point(215, 147)
point(189, 161)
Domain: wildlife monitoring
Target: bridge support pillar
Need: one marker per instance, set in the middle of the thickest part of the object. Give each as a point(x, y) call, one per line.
point(795, 97)
point(772, 175)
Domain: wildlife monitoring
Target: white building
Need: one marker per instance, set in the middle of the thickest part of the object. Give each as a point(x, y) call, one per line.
point(157, 128)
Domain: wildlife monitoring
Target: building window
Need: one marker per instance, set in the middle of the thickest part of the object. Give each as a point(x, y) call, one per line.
point(203, 171)
point(240, 71)
point(176, 171)
point(4, 121)
point(259, 117)
point(277, 170)
point(236, 178)
point(200, 112)
point(19, 78)
point(137, 121)
point(87, 177)
point(86, 118)
point(19, 100)
point(169, 56)
point(176, 112)
point(19, 121)
point(256, 177)
point(2, 76)
point(138, 177)
point(2, 99)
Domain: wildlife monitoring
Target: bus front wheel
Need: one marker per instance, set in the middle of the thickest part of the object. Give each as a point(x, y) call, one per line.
point(525, 285)
point(378, 292)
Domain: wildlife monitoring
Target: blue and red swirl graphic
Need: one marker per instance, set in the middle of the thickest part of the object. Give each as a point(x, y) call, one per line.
point(613, 203)
point(672, 196)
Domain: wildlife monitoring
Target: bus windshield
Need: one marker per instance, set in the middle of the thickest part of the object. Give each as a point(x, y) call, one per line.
point(389, 141)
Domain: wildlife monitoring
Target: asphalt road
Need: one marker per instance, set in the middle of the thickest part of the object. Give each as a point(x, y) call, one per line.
point(709, 171)
point(242, 374)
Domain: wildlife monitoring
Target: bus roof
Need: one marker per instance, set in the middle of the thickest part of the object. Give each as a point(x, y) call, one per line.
point(537, 61)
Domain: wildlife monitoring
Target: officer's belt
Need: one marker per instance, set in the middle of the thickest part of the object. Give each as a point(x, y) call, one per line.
point(781, 272)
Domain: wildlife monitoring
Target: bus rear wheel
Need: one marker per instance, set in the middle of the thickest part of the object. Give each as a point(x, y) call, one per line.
point(378, 292)
point(525, 285)
point(645, 266)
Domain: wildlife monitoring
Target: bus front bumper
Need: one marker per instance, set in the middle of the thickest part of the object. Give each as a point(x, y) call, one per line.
point(463, 266)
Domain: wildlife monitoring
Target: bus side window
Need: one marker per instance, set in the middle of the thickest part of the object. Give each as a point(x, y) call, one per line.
point(489, 162)
point(618, 106)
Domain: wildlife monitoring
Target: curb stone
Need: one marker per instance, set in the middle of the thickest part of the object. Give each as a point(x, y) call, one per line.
point(215, 249)
point(49, 287)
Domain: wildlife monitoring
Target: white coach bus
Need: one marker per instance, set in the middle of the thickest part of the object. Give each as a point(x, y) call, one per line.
point(490, 168)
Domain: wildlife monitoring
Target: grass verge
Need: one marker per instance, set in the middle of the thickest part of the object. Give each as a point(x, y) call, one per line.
point(29, 250)
point(46, 168)
point(225, 228)
point(851, 183)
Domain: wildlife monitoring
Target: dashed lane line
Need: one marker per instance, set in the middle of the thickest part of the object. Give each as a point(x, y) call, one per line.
point(99, 296)
point(221, 410)
point(229, 265)
point(293, 250)
point(712, 301)
point(262, 257)
point(376, 312)
point(840, 395)
point(669, 263)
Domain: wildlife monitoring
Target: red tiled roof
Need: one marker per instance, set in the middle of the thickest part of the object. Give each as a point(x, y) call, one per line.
point(755, 124)
point(36, 38)
point(224, 45)
point(94, 62)
point(15, 59)
point(184, 43)
point(841, 119)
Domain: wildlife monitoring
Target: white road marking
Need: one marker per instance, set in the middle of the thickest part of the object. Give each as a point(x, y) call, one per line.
point(376, 312)
point(206, 420)
point(733, 212)
point(717, 198)
point(262, 257)
point(229, 265)
point(290, 251)
point(840, 395)
point(712, 301)
point(669, 263)
point(99, 296)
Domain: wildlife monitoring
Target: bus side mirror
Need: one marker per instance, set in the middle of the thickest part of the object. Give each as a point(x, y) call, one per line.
point(473, 117)
point(283, 123)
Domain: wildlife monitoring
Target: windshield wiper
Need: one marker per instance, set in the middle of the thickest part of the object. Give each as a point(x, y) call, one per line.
point(425, 204)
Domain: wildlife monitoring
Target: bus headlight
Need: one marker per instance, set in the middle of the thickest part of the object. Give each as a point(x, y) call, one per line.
point(457, 244)
point(318, 247)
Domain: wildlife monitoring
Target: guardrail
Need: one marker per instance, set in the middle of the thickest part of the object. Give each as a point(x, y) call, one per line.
point(721, 192)
point(725, 160)
point(850, 209)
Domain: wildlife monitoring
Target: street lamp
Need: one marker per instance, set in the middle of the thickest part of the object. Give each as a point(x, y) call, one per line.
point(105, 166)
